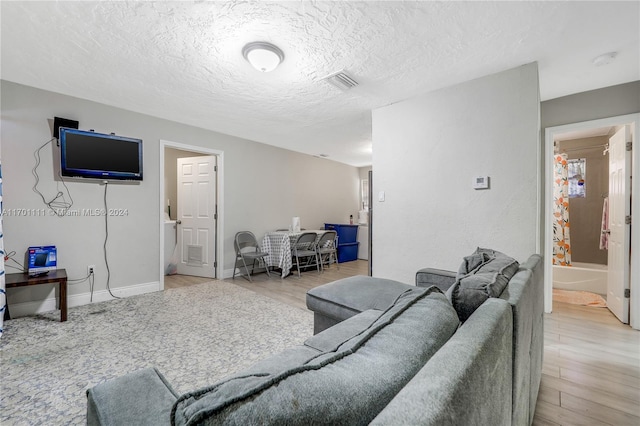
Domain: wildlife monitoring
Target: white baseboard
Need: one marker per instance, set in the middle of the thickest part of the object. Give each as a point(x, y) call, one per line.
point(227, 273)
point(50, 304)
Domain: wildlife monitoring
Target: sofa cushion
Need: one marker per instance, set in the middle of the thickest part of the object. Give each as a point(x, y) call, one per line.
point(348, 384)
point(482, 275)
point(467, 382)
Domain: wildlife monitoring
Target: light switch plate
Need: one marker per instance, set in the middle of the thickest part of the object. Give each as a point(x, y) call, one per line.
point(381, 196)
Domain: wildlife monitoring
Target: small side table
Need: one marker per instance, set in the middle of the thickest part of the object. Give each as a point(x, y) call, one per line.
point(58, 276)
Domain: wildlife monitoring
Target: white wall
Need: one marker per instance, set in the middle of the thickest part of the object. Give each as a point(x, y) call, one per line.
point(427, 150)
point(264, 187)
point(364, 172)
point(612, 101)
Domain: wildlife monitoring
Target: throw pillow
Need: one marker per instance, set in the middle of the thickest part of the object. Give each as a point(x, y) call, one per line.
point(469, 263)
point(482, 275)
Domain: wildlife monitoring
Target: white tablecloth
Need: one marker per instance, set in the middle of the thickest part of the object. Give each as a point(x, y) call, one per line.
point(278, 245)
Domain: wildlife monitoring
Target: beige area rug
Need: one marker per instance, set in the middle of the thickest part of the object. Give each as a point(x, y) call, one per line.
point(195, 335)
point(579, 298)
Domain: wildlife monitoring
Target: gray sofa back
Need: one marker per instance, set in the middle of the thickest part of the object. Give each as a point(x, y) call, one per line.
point(536, 265)
point(519, 295)
point(338, 376)
point(467, 382)
point(525, 295)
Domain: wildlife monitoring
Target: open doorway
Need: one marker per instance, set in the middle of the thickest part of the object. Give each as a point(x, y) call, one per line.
point(576, 258)
point(191, 201)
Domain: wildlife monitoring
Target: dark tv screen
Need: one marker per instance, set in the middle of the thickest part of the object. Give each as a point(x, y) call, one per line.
point(94, 155)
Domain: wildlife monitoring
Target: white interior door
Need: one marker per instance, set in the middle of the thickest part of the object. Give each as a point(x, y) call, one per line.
point(619, 237)
point(196, 219)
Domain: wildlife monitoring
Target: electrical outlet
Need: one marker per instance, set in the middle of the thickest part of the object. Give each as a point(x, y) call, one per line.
point(91, 269)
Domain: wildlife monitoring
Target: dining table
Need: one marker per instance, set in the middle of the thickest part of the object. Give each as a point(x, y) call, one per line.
point(278, 246)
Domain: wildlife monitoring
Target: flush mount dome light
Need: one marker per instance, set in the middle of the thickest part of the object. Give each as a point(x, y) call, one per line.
point(263, 56)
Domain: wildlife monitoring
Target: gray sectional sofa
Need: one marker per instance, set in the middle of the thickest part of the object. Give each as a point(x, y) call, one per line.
point(485, 278)
point(383, 353)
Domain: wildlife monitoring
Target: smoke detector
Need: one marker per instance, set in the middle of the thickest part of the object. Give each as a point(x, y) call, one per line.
point(341, 80)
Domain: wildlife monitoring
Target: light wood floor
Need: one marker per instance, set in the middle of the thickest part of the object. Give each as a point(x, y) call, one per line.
point(591, 371)
point(176, 281)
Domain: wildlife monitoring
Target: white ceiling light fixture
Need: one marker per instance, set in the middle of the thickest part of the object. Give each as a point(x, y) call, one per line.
point(262, 55)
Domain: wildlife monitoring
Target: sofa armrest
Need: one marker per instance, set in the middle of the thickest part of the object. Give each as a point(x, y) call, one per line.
point(143, 397)
point(442, 279)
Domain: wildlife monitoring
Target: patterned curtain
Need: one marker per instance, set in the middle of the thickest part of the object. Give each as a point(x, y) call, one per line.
point(561, 239)
point(3, 295)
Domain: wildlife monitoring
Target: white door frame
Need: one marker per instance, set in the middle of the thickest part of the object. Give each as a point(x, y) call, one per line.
point(220, 190)
point(550, 132)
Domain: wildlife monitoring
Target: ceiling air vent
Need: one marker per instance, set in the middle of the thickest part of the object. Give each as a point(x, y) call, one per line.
point(341, 80)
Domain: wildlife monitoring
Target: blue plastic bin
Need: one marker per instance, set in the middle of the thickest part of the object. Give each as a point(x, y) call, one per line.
point(347, 252)
point(346, 233)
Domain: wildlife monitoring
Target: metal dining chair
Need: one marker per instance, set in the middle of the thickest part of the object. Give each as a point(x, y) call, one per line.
point(247, 249)
point(327, 249)
point(305, 247)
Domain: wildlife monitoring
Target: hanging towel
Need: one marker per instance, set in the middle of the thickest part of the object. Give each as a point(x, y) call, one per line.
point(604, 228)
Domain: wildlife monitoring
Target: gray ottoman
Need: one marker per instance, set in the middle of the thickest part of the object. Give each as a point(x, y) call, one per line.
point(335, 302)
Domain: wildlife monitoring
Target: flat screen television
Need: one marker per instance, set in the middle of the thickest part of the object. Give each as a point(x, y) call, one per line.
point(87, 154)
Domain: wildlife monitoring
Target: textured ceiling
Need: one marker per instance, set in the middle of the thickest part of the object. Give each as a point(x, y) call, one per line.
point(182, 60)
